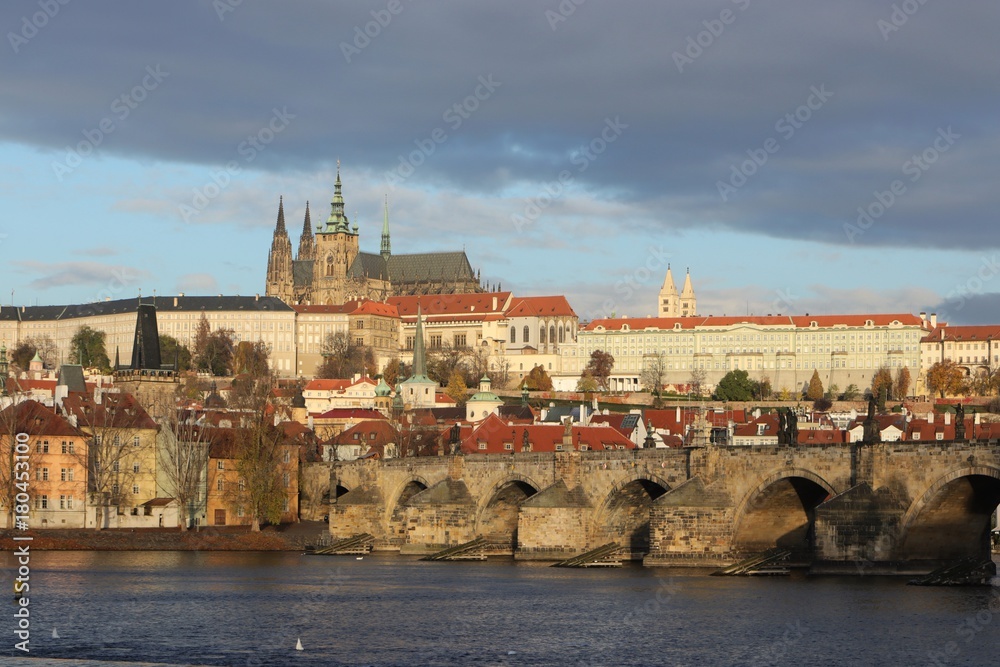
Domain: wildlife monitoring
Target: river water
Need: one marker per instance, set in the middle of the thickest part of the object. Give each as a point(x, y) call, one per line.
point(226, 608)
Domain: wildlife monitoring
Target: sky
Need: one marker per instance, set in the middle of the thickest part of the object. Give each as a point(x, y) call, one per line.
point(797, 157)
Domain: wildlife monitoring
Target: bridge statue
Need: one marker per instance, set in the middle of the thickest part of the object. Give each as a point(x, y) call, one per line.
point(793, 428)
point(782, 428)
point(871, 430)
point(959, 422)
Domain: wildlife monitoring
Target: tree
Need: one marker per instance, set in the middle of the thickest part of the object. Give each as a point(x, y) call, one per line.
point(499, 372)
point(19, 459)
point(395, 371)
point(586, 383)
point(251, 358)
point(945, 377)
point(182, 459)
point(734, 386)
point(87, 349)
point(697, 380)
point(537, 380)
point(219, 351)
point(882, 382)
point(822, 404)
point(171, 348)
point(258, 448)
point(341, 357)
point(600, 365)
point(851, 393)
point(22, 354)
point(443, 361)
point(457, 389)
point(764, 390)
point(201, 334)
point(902, 384)
point(654, 372)
point(815, 390)
point(832, 392)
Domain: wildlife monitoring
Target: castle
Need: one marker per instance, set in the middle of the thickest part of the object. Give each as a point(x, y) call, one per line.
point(330, 269)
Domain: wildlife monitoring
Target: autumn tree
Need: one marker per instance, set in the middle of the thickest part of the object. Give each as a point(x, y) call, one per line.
point(587, 383)
point(764, 389)
point(499, 372)
point(22, 353)
point(815, 390)
point(395, 371)
point(182, 458)
point(902, 384)
point(882, 385)
point(457, 389)
point(600, 366)
point(87, 349)
point(201, 333)
point(259, 451)
point(537, 380)
point(251, 358)
point(171, 349)
point(735, 385)
point(945, 377)
point(443, 361)
point(851, 393)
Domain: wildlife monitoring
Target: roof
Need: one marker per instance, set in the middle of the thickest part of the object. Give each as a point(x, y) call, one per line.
point(162, 303)
point(624, 423)
point(375, 308)
point(540, 306)
point(477, 304)
point(797, 321)
point(350, 413)
point(383, 433)
point(302, 272)
point(496, 434)
point(964, 334)
point(328, 385)
point(429, 266)
point(116, 410)
point(34, 418)
point(368, 265)
point(341, 309)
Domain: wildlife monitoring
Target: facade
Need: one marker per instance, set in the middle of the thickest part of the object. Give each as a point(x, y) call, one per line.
point(323, 395)
point(331, 269)
point(56, 466)
point(976, 349)
point(844, 349)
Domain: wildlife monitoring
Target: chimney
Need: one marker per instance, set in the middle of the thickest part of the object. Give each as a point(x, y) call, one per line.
point(175, 302)
point(933, 320)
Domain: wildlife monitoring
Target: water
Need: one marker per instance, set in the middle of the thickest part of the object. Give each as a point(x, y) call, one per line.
point(225, 608)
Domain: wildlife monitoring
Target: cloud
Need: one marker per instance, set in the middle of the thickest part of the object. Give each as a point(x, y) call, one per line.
point(113, 280)
point(99, 251)
point(197, 283)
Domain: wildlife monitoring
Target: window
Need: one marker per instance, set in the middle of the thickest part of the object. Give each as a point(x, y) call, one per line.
point(117, 442)
point(135, 489)
point(42, 502)
point(552, 334)
point(70, 451)
point(62, 502)
point(482, 445)
point(135, 441)
point(513, 334)
point(65, 447)
point(115, 466)
point(45, 474)
point(285, 480)
point(435, 341)
point(527, 334)
point(114, 490)
point(541, 335)
point(508, 446)
point(239, 511)
point(220, 465)
point(287, 457)
point(69, 502)
point(359, 324)
point(42, 447)
point(66, 475)
point(460, 340)
point(241, 485)
point(135, 467)
point(284, 505)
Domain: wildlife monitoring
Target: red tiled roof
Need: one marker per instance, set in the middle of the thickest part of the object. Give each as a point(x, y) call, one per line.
point(383, 430)
point(822, 436)
point(496, 434)
point(639, 323)
point(964, 334)
point(449, 304)
point(350, 413)
point(799, 321)
point(116, 410)
point(759, 320)
point(327, 385)
point(376, 308)
point(33, 418)
point(540, 306)
point(341, 309)
point(666, 419)
point(878, 319)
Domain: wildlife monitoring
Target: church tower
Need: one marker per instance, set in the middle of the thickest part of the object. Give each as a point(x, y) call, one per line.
point(688, 302)
point(386, 245)
point(669, 305)
point(307, 247)
point(279, 261)
point(336, 247)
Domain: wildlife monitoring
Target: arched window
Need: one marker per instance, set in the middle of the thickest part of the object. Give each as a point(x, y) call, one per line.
point(561, 335)
point(513, 334)
point(552, 334)
point(527, 334)
point(541, 335)
point(329, 265)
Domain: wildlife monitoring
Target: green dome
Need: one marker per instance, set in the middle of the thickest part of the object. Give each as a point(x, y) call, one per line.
point(382, 389)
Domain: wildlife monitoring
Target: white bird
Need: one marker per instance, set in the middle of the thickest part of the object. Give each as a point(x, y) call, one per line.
point(298, 645)
point(55, 633)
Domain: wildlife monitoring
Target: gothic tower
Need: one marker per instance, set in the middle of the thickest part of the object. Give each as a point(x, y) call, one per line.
point(307, 248)
point(279, 261)
point(336, 247)
point(688, 302)
point(386, 245)
point(669, 305)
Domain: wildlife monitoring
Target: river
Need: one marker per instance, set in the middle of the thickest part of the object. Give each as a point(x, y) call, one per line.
point(232, 608)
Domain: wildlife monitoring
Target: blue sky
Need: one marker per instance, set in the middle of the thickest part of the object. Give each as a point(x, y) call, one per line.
point(572, 149)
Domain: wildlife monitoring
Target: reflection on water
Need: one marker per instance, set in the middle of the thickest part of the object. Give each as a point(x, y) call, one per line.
point(219, 608)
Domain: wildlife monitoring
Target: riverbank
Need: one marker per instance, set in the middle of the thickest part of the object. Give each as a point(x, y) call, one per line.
point(292, 537)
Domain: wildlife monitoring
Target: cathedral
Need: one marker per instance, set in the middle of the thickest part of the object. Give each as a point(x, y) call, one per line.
point(330, 269)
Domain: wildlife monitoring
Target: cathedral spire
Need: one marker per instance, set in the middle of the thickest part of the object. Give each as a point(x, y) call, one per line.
point(386, 245)
point(280, 227)
point(306, 244)
point(337, 222)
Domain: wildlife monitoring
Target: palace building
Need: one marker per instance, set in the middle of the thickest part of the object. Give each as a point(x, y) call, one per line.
point(330, 268)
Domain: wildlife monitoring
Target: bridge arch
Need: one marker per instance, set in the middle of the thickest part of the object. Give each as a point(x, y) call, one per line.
point(497, 513)
point(779, 512)
point(395, 517)
point(951, 519)
point(623, 517)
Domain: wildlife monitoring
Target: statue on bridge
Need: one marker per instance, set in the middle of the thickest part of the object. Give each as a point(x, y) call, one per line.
point(525, 444)
point(871, 429)
point(455, 439)
point(788, 427)
point(782, 427)
point(959, 422)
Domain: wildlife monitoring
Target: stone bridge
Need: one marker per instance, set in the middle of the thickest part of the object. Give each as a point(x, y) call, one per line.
point(866, 507)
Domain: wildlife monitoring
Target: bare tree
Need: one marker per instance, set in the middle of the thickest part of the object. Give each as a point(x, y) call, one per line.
point(654, 371)
point(19, 459)
point(182, 459)
point(697, 380)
